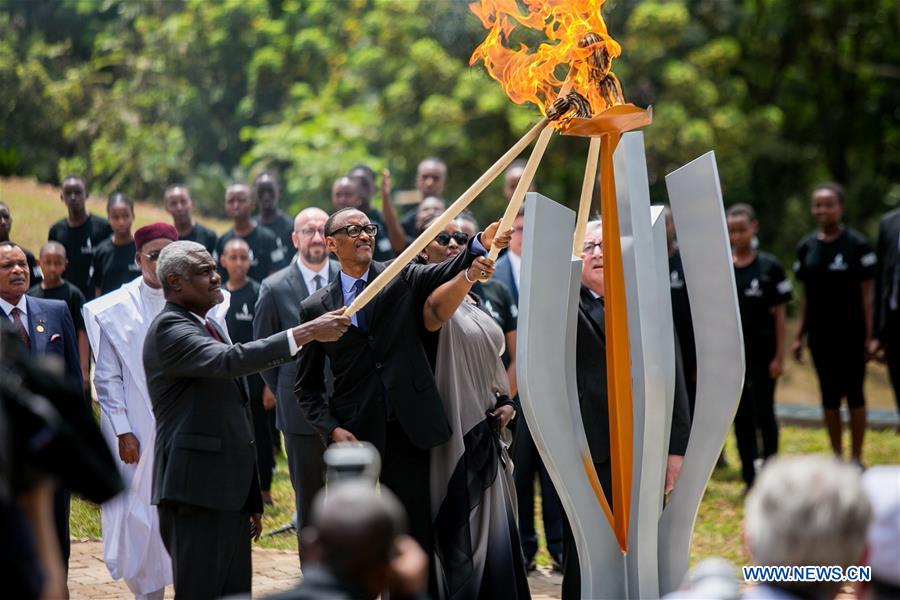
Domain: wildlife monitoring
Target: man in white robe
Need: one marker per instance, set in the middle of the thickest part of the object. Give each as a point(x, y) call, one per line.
point(116, 324)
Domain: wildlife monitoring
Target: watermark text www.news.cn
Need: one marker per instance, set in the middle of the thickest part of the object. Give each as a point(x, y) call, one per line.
point(762, 574)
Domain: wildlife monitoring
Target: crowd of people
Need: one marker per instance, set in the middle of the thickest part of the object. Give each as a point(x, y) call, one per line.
point(206, 351)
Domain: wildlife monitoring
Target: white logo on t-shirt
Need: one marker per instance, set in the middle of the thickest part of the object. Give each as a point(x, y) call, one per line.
point(838, 263)
point(244, 315)
point(675, 280)
point(754, 291)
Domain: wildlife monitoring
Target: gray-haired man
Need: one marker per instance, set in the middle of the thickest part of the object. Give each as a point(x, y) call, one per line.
point(205, 479)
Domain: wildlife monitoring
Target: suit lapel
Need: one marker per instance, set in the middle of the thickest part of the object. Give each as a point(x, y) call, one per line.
point(37, 327)
point(334, 296)
point(594, 311)
point(375, 270)
point(296, 283)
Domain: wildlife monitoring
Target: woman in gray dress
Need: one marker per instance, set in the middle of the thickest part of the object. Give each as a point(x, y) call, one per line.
point(476, 540)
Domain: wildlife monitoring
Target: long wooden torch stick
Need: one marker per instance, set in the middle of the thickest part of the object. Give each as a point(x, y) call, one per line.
point(587, 194)
point(451, 213)
point(518, 197)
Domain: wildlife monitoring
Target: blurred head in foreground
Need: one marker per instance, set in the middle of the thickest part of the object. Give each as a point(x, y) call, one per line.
point(807, 511)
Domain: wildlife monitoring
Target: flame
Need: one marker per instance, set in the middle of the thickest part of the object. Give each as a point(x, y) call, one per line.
point(577, 38)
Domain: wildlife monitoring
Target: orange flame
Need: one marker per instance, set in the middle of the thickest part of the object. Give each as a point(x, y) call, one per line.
point(532, 77)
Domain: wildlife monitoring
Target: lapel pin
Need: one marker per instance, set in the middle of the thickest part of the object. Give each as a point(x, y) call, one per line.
point(39, 329)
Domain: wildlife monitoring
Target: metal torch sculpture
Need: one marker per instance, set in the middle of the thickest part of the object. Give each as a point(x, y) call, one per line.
point(640, 549)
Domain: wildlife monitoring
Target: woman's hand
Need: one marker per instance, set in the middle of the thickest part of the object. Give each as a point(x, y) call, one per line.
point(489, 236)
point(481, 269)
point(504, 415)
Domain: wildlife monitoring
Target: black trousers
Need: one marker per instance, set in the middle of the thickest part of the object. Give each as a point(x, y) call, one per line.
point(756, 415)
point(528, 465)
point(61, 505)
point(571, 584)
point(405, 470)
point(307, 469)
point(210, 550)
point(892, 351)
point(265, 456)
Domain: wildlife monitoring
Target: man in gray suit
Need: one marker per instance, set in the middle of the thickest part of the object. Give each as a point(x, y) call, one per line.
point(205, 480)
point(278, 308)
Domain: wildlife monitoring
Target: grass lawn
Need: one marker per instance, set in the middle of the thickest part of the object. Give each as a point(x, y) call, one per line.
point(35, 207)
point(718, 529)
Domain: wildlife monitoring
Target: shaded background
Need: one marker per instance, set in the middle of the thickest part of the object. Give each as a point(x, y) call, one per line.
point(137, 94)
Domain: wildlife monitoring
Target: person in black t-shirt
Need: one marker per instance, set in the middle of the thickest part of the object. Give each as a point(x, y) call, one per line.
point(114, 261)
point(242, 308)
point(34, 270)
point(80, 232)
point(681, 311)
point(264, 250)
point(393, 241)
point(346, 192)
point(267, 192)
point(52, 260)
point(763, 292)
point(837, 266)
point(180, 205)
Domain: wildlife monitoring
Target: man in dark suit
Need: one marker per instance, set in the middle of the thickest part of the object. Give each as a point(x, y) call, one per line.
point(886, 330)
point(45, 328)
point(205, 479)
point(278, 308)
point(590, 352)
point(525, 455)
point(384, 390)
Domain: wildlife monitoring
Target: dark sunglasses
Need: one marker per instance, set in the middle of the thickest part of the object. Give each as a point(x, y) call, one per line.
point(354, 231)
point(443, 238)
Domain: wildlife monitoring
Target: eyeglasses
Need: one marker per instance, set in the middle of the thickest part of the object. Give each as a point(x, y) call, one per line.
point(354, 231)
point(152, 257)
point(589, 247)
point(311, 231)
point(443, 238)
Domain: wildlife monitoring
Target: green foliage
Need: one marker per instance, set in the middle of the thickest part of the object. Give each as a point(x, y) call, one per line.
point(140, 94)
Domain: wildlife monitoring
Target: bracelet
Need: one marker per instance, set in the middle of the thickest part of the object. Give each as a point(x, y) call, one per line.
point(466, 275)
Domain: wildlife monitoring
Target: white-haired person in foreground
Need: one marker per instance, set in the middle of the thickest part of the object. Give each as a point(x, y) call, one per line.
point(806, 511)
point(882, 485)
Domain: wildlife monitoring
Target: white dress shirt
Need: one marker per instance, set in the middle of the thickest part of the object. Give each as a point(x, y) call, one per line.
point(515, 261)
point(22, 306)
point(309, 274)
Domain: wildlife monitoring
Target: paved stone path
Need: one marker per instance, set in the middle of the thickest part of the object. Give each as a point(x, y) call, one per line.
point(273, 571)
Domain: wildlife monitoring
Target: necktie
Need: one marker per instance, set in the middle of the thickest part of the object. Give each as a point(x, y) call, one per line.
point(16, 315)
point(212, 331)
point(362, 317)
point(318, 281)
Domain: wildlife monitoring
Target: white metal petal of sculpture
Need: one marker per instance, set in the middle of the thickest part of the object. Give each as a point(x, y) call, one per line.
point(548, 312)
point(696, 201)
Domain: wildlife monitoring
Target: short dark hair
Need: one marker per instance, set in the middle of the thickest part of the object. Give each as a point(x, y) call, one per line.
point(329, 224)
point(11, 245)
point(365, 168)
point(120, 198)
point(741, 210)
point(174, 186)
point(835, 188)
point(467, 216)
point(435, 159)
point(270, 174)
point(76, 178)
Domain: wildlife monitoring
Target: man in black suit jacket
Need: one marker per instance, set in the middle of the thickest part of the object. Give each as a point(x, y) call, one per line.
point(278, 308)
point(205, 479)
point(886, 330)
point(45, 328)
point(590, 353)
point(384, 390)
